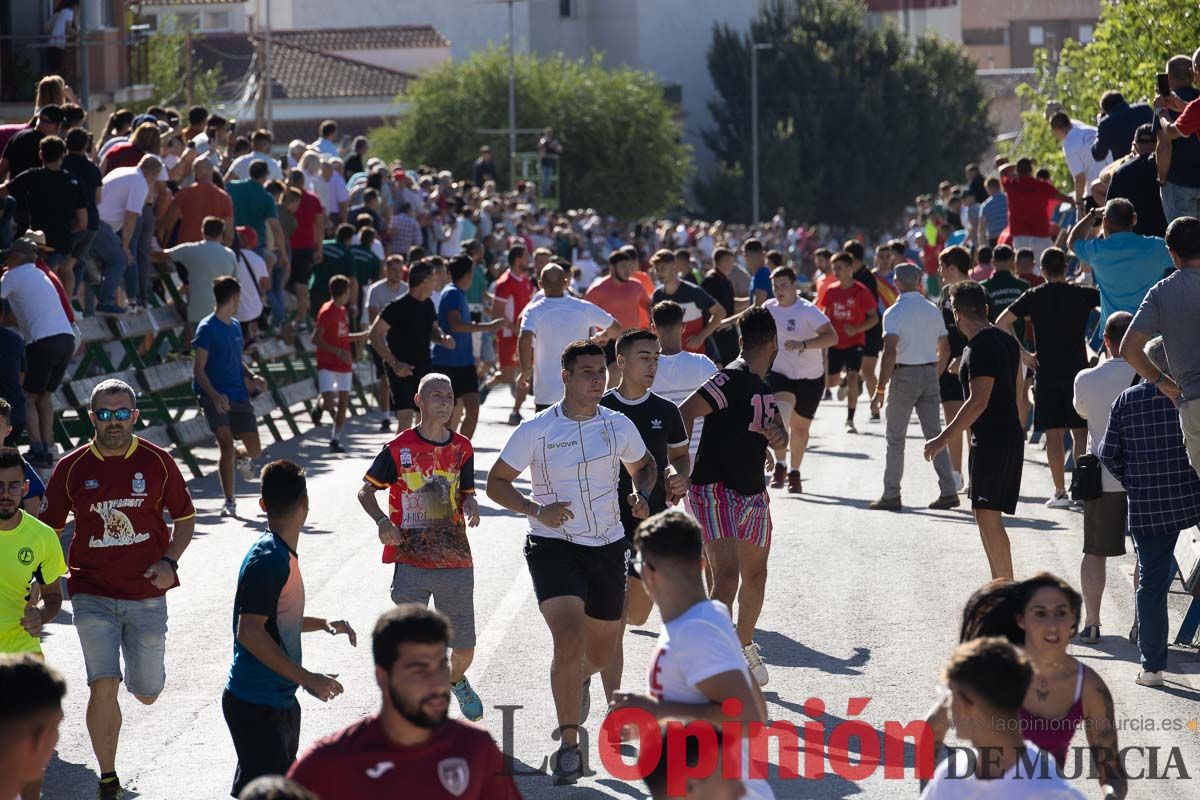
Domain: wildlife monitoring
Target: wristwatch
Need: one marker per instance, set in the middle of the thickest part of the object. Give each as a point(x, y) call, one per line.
point(174, 564)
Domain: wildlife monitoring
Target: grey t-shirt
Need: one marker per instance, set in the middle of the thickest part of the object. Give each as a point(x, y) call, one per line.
point(204, 261)
point(1170, 310)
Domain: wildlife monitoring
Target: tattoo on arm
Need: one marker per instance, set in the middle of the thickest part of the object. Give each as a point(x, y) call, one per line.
point(644, 474)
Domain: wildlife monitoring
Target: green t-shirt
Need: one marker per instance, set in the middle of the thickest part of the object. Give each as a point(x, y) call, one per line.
point(479, 283)
point(335, 260)
point(29, 551)
point(252, 206)
point(365, 265)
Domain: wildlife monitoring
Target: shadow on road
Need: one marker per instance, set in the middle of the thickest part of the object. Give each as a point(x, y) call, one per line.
point(781, 650)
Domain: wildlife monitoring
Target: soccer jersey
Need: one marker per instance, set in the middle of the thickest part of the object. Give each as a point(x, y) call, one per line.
point(334, 325)
point(800, 321)
point(576, 461)
point(426, 482)
point(118, 503)
point(742, 403)
point(512, 294)
point(459, 762)
point(847, 306)
point(28, 552)
point(695, 303)
point(661, 427)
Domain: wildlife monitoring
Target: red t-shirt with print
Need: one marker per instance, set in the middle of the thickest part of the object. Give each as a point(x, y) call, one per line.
point(847, 306)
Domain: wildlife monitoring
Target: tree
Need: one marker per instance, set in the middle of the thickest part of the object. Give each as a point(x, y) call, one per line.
point(621, 147)
point(1132, 42)
point(853, 122)
point(168, 74)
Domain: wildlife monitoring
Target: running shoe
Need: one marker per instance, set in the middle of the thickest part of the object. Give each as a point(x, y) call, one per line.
point(385, 425)
point(794, 484)
point(885, 504)
point(567, 765)
point(758, 669)
point(1059, 501)
point(850, 426)
point(842, 391)
point(959, 483)
point(874, 417)
point(1151, 679)
point(779, 476)
point(245, 468)
point(585, 701)
point(110, 790)
point(514, 418)
point(229, 509)
point(468, 700)
point(946, 501)
point(828, 395)
point(484, 391)
point(1090, 634)
point(318, 414)
point(335, 446)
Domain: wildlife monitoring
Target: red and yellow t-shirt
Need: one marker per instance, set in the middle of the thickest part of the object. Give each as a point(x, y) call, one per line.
point(334, 325)
point(426, 483)
point(118, 502)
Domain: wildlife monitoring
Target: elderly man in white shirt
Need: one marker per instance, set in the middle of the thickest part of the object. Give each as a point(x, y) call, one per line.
point(1104, 517)
point(916, 349)
point(1077, 140)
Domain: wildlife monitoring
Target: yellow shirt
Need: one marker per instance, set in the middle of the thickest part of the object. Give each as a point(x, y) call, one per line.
point(27, 552)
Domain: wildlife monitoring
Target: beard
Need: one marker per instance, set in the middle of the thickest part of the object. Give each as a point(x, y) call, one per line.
point(115, 438)
point(7, 513)
point(415, 714)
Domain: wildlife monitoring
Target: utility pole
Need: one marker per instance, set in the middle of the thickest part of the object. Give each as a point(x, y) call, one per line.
point(188, 88)
point(269, 111)
point(754, 48)
point(512, 100)
point(85, 51)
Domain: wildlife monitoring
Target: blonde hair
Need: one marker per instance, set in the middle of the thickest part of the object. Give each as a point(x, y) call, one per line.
point(51, 91)
point(147, 138)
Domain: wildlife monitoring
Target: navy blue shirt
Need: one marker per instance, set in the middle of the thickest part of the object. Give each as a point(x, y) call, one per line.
point(12, 364)
point(1114, 133)
point(223, 343)
point(1137, 182)
point(88, 175)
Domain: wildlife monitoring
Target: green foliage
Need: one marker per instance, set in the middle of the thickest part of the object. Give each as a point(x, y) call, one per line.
point(853, 122)
point(621, 148)
point(168, 75)
point(1133, 41)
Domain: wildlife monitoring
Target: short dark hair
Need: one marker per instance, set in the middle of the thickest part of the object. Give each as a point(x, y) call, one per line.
point(10, 457)
point(783, 272)
point(1116, 325)
point(1183, 237)
point(752, 246)
point(854, 248)
point(992, 182)
point(1043, 174)
point(471, 246)
point(283, 486)
point(775, 258)
point(756, 327)
point(1060, 121)
point(667, 313)
point(822, 252)
point(1003, 253)
point(720, 253)
point(662, 257)
point(460, 267)
point(574, 350)
point(984, 255)
point(418, 272)
point(841, 257)
point(328, 127)
point(410, 622)
point(51, 149)
point(515, 252)
point(197, 115)
point(1025, 254)
point(657, 779)
point(617, 256)
point(338, 284)
point(275, 787)
point(259, 169)
point(213, 227)
point(28, 687)
point(956, 256)
point(670, 534)
point(683, 254)
point(1119, 212)
point(629, 338)
point(224, 288)
point(217, 121)
point(1054, 261)
point(898, 247)
point(969, 297)
point(994, 669)
point(77, 139)
point(261, 135)
point(1110, 100)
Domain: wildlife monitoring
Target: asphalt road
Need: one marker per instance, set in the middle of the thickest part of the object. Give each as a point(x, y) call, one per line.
point(860, 604)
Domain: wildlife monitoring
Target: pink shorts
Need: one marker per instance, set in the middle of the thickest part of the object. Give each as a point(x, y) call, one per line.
point(726, 514)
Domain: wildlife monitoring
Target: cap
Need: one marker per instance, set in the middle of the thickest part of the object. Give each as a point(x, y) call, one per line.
point(908, 273)
point(247, 236)
point(140, 118)
point(1145, 134)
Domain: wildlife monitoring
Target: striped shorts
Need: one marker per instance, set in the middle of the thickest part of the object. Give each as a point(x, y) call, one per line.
point(726, 514)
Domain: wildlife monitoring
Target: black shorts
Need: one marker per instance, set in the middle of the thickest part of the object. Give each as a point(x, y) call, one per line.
point(302, 262)
point(995, 471)
point(464, 380)
point(265, 738)
point(47, 360)
point(849, 359)
point(594, 574)
point(950, 388)
point(1054, 402)
point(403, 390)
point(610, 352)
point(874, 345)
point(807, 391)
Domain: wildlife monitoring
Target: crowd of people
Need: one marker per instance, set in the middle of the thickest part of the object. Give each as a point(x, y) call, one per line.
point(675, 369)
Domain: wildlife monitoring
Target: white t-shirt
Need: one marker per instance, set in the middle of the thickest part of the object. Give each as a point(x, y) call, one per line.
point(555, 323)
point(692, 648)
point(58, 31)
point(589, 270)
point(1077, 150)
point(678, 376)
point(203, 147)
point(1095, 391)
point(241, 166)
point(250, 305)
point(578, 462)
point(124, 189)
point(1032, 776)
point(801, 320)
point(917, 325)
point(34, 302)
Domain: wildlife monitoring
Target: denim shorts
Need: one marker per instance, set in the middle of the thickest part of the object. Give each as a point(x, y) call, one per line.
point(109, 628)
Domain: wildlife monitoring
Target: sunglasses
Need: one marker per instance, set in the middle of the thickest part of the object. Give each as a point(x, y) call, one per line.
point(119, 414)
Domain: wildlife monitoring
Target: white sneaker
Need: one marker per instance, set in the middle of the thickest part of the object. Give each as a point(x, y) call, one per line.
point(758, 669)
point(229, 509)
point(245, 468)
point(1151, 679)
point(1059, 501)
point(959, 483)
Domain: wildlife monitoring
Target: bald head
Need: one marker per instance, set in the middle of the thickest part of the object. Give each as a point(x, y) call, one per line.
point(202, 169)
point(553, 280)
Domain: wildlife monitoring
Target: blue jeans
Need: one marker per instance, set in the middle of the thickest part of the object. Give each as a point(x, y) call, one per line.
point(137, 276)
point(136, 629)
point(113, 263)
point(1180, 201)
point(1156, 554)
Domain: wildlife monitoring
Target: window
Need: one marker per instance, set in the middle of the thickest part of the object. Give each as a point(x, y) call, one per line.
point(187, 21)
point(1037, 35)
point(216, 20)
point(1086, 33)
point(565, 8)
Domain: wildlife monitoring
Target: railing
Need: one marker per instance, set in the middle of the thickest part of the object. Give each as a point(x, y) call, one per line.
point(23, 61)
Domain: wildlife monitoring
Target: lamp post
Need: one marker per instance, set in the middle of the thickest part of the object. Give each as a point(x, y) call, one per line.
point(754, 48)
point(512, 100)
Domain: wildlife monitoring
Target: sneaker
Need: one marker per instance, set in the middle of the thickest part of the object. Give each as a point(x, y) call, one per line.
point(385, 425)
point(959, 483)
point(874, 417)
point(317, 415)
point(1151, 679)
point(468, 700)
point(514, 418)
point(585, 701)
point(567, 765)
point(842, 391)
point(758, 669)
point(245, 468)
point(850, 426)
point(946, 501)
point(886, 504)
point(335, 446)
point(1090, 634)
point(828, 395)
point(484, 391)
point(1076, 505)
point(779, 476)
point(110, 790)
point(1059, 501)
point(794, 484)
point(229, 509)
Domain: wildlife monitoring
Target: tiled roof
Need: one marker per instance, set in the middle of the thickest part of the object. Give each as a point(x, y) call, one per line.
point(384, 37)
point(297, 73)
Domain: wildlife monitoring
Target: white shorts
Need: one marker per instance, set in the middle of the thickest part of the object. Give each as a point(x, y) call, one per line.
point(337, 382)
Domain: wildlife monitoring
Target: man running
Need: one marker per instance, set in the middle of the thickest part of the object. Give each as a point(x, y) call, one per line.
point(123, 560)
point(850, 307)
point(410, 748)
point(512, 293)
point(576, 548)
point(679, 372)
point(954, 264)
point(797, 376)
point(657, 420)
point(873, 342)
point(622, 297)
point(391, 287)
point(702, 315)
point(729, 493)
point(988, 373)
point(429, 473)
point(335, 358)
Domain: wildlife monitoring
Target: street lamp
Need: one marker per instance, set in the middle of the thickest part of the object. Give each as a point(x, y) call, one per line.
point(754, 48)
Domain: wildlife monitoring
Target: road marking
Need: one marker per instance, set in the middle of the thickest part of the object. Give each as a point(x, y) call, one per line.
point(499, 623)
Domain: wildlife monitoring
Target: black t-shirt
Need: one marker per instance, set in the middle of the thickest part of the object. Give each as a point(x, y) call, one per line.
point(22, 151)
point(1060, 313)
point(88, 175)
point(410, 329)
point(48, 200)
point(720, 288)
point(955, 337)
point(658, 421)
point(993, 354)
point(868, 279)
point(732, 447)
